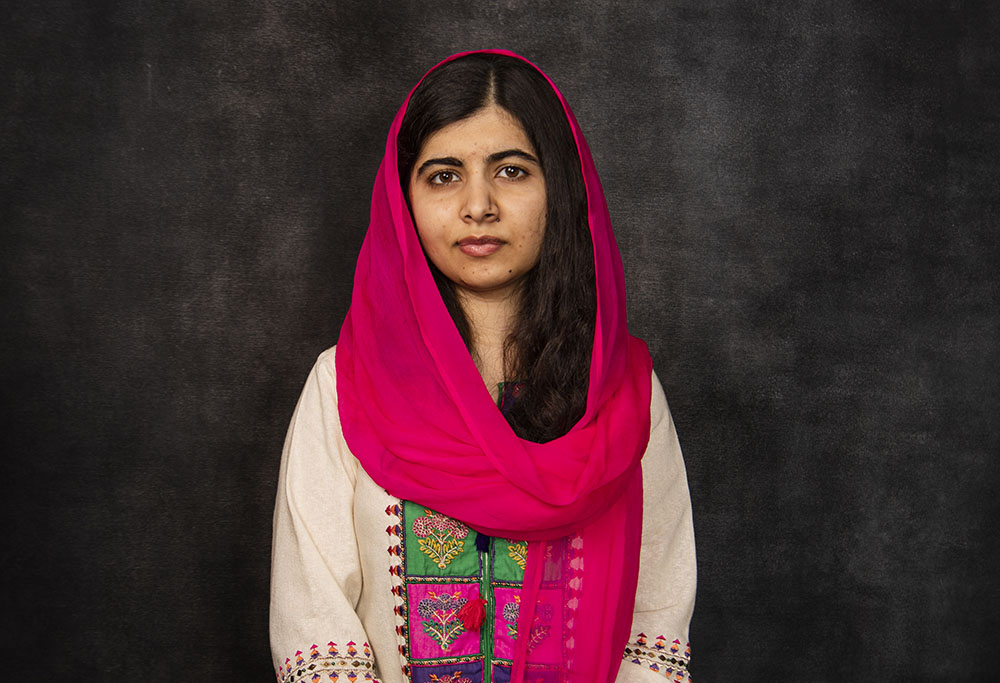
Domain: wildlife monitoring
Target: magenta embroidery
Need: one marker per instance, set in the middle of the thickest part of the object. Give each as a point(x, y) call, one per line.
point(439, 616)
point(440, 537)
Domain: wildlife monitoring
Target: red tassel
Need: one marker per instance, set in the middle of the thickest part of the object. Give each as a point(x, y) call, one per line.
point(472, 614)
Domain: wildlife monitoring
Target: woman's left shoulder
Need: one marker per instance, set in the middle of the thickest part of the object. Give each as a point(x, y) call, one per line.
point(658, 408)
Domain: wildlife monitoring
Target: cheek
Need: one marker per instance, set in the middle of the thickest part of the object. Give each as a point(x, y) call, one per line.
point(420, 219)
point(432, 242)
point(432, 239)
point(542, 211)
point(539, 228)
point(425, 211)
point(428, 223)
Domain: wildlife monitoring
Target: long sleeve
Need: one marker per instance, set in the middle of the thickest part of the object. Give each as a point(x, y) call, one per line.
point(658, 646)
point(316, 575)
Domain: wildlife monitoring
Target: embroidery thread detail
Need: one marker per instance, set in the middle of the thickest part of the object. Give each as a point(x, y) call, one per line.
point(518, 551)
point(662, 657)
point(439, 616)
point(331, 665)
point(541, 627)
point(511, 611)
point(396, 562)
point(456, 677)
point(440, 537)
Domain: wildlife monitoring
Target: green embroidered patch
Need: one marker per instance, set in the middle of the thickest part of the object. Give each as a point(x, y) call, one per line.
point(509, 558)
point(437, 545)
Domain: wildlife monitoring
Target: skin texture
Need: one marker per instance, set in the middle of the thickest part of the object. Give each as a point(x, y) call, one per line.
point(478, 198)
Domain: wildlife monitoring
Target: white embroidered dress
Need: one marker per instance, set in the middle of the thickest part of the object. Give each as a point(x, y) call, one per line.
point(365, 586)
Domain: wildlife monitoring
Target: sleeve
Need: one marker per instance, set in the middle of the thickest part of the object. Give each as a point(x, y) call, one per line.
point(658, 646)
point(315, 565)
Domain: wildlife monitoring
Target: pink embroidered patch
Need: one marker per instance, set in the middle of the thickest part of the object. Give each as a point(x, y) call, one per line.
point(544, 632)
point(435, 627)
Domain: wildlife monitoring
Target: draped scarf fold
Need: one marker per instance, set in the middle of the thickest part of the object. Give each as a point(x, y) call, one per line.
point(417, 415)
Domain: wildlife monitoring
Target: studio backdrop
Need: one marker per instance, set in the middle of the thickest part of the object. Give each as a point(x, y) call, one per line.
point(805, 196)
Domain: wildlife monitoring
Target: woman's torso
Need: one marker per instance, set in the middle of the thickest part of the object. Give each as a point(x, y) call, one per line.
point(422, 568)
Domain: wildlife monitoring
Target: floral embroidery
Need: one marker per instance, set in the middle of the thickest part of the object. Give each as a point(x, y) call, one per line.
point(440, 537)
point(333, 665)
point(662, 657)
point(518, 551)
point(439, 616)
point(456, 677)
point(511, 611)
point(436, 570)
point(542, 623)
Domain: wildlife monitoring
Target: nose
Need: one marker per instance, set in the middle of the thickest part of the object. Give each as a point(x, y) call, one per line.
point(479, 204)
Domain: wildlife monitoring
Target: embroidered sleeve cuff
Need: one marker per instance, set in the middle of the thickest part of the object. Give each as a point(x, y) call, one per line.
point(667, 658)
point(331, 662)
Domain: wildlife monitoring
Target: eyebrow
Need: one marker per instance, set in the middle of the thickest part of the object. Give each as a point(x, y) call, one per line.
point(491, 159)
point(440, 161)
point(497, 156)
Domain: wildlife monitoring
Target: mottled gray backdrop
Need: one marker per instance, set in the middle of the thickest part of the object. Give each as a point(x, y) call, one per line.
point(806, 198)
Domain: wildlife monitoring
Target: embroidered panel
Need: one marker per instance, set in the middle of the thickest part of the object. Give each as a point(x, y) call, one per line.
point(337, 663)
point(437, 570)
point(662, 656)
point(436, 630)
point(509, 561)
point(440, 546)
point(468, 672)
point(441, 568)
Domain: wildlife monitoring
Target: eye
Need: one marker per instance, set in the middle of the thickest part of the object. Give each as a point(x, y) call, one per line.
point(512, 172)
point(442, 178)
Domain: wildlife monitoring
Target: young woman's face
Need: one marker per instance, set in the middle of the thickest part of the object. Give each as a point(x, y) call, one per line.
point(478, 198)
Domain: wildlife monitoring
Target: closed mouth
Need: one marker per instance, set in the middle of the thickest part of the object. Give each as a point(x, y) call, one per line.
point(480, 247)
point(487, 239)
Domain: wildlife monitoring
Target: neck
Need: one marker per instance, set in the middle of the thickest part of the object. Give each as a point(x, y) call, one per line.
point(490, 321)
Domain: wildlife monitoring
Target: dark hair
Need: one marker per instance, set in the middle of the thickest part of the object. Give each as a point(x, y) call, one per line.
point(550, 344)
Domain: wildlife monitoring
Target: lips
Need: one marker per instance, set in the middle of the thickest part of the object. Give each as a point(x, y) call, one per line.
point(480, 246)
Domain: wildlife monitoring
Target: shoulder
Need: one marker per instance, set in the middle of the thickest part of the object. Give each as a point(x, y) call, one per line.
point(315, 436)
point(327, 360)
point(662, 461)
point(324, 370)
point(658, 409)
point(318, 400)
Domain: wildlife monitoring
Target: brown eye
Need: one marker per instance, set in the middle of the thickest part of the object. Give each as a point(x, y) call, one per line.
point(512, 172)
point(442, 178)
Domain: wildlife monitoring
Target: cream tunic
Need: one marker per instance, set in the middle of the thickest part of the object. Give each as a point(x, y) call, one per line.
point(336, 614)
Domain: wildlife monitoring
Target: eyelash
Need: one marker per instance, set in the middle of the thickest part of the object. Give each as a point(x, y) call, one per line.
point(436, 178)
point(521, 173)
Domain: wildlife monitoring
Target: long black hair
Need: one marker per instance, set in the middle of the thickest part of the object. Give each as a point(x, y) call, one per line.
point(550, 343)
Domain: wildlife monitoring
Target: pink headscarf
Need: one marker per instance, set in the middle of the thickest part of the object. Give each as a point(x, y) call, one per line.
point(416, 413)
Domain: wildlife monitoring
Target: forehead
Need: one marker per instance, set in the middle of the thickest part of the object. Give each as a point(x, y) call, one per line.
point(488, 130)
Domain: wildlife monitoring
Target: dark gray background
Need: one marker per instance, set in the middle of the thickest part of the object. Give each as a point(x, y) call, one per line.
point(805, 195)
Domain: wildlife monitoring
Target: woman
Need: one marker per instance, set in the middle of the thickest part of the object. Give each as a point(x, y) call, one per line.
point(482, 482)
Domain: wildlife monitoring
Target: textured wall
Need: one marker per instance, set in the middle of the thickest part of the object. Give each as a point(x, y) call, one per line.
point(806, 198)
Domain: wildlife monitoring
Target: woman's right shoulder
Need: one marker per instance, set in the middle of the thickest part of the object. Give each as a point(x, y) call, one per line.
point(325, 367)
point(327, 359)
point(320, 387)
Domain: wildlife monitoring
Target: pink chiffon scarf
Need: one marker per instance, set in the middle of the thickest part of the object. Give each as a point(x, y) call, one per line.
point(417, 415)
